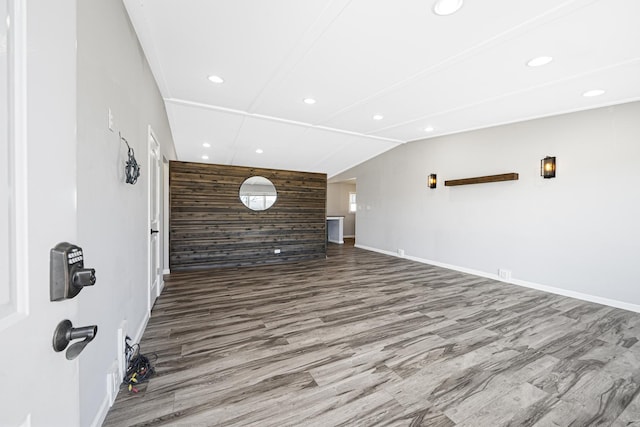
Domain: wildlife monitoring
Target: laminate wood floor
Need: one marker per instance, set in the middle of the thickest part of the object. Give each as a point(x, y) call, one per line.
point(367, 339)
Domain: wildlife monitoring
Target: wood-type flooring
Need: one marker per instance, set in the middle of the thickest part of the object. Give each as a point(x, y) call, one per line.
point(364, 339)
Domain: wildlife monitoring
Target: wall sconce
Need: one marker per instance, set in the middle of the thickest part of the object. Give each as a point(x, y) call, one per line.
point(432, 180)
point(548, 167)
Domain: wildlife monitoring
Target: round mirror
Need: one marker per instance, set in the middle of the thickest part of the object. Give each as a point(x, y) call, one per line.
point(258, 193)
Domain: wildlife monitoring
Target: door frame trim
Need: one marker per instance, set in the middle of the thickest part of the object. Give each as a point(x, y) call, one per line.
point(153, 143)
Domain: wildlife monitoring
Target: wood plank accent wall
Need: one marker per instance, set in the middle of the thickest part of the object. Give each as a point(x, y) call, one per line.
point(210, 227)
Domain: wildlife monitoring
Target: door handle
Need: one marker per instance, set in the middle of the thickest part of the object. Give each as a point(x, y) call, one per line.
point(65, 333)
point(154, 231)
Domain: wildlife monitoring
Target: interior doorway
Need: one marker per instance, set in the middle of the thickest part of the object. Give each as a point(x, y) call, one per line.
point(155, 224)
point(342, 199)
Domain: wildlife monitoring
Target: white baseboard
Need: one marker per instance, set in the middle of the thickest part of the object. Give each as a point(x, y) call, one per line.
point(350, 236)
point(101, 415)
point(545, 288)
point(166, 271)
point(103, 410)
point(143, 325)
point(27, 421)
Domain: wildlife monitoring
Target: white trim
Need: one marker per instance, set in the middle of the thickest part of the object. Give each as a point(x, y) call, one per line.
point(276, 119)
point(380, 251)
point(545, 288)
point(27, 421)
point(21, 156)
point(101, 415)
point(578, 295)
point(165, 216)
point(138, 336)
point(350, 236)
point(153, 146)
point(103, 410)
point(7, 285)
point(18, 307)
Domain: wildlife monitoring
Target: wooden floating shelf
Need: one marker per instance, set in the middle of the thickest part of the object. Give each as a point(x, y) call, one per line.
point(482, 179)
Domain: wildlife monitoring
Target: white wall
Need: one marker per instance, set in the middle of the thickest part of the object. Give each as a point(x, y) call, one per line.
point(578, 233)
point(112, 72)
point(338, 205)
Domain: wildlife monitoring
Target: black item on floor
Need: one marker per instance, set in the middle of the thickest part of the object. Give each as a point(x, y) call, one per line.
point(139, 367)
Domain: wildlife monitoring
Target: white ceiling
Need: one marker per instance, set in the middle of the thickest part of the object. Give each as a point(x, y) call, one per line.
point(358, 58)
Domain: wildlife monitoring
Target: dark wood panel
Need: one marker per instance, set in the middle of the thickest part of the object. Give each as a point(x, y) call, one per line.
point(210, 227)
point(482, 179)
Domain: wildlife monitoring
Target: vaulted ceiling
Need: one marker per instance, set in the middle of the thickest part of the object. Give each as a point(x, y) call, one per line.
point(420, 74)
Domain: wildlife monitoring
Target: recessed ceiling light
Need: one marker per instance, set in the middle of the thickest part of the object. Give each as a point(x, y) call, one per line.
point(428, 129)
point(594, 92)
point(206, 145)
point(447, 7)
point(205, 157)
point(309, 101)
point(259, 151)
point(378, 117)
point(215, 79)
point(539, 61)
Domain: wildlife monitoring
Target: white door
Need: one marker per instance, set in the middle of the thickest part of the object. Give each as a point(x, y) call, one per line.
point(38, 386)
point(155, 272)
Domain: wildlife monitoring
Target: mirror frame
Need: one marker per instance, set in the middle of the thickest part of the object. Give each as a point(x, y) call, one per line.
point(269, 197)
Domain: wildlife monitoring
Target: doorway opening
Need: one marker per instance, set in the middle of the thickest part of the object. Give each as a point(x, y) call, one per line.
point(342, 198)
point(155, 223)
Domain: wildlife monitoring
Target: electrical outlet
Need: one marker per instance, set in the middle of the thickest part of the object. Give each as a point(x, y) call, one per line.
point(504, 274)
point(276, 251)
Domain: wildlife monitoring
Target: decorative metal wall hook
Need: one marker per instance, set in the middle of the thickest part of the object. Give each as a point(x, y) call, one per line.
point(131, 167)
